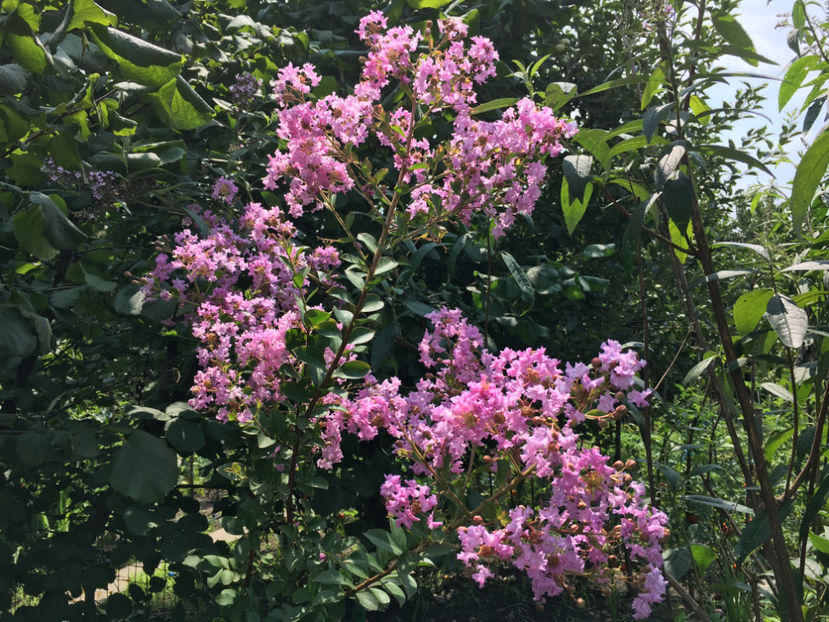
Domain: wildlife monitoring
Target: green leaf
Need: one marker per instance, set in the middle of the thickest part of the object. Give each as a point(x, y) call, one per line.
point(652, 118)
point(678, 561)
point(386, 264)
point(129, 300)
point(819, 542)
point(576, 169)
point(653, 85)
point(28, 231)
point(794, 77)
point(226, 597)
point(12, 79)
point(612, 84)
point(144, 468)
point(383, 541)
point(678, 196)
point(697, 370)
point(559, 93)
point(27, 52)
point(138, 60)
point(519, 275)
point(367, 599)
point(58, 229)
point(181, 106)
point(734, 154)
point(118, 606)
point(495, 104)
point(721, 504)
point(186, 436)
point(595, 141)
point(788, 320)
point(699, 108)
point(88, 12)
point(428, 4)
point(756, 533)
point(807, 177)
point(778, 391)
point(730, 30)
point(757, 248)
point(798, 14)
point(750, 308)
point(574, 210)
point(353, 370)
point(703, 556)
point(808, 266)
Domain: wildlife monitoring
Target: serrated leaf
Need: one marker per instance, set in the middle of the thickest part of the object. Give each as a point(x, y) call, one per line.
point(788, 320)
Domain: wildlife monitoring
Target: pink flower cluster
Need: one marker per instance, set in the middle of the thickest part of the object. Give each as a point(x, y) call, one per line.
point(491, 167)
point(519, 409)
point(241, 281)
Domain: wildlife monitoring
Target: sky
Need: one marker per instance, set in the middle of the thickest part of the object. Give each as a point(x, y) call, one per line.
point(759, 19)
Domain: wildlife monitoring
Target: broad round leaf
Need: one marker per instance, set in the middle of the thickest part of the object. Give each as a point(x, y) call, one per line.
point(144, 468)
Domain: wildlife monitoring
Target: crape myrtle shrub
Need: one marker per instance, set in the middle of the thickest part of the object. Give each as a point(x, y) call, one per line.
point(275, 359)
point(118, 119)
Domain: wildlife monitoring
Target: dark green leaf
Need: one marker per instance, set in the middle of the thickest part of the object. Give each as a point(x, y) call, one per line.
point(186, 436)
point(58, 229)
point(138, 60)
point(678, 561)
point(118, 606)
point(652, 118)
point(144, 468)
point(353, 370)
point(28, 231)
point(734, 154)
point(730, 30)
point(678, 196)
point(612, 84)
point(807, 176)
point(383, 541)
point(366, 599)
point(12, 79)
